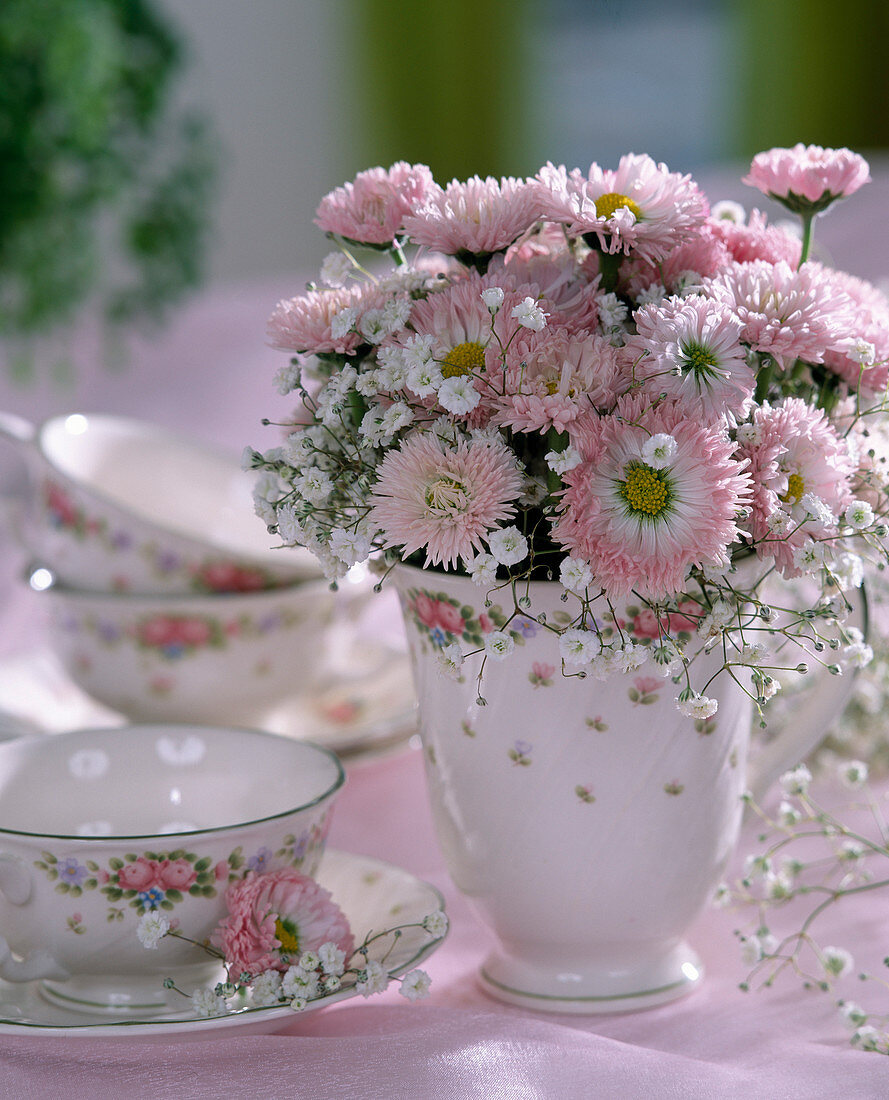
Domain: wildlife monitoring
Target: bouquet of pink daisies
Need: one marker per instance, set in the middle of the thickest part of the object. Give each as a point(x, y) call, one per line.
point(593, 378)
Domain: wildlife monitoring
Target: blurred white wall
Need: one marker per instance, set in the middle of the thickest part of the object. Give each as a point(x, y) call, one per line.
point(267, 73)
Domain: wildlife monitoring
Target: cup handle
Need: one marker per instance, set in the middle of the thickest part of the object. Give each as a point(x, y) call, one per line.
point(818, 707)
point(15, 885)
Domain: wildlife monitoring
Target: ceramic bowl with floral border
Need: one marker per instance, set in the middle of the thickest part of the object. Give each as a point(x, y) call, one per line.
point(232, 657)
point(100, 827)
point(117, 504)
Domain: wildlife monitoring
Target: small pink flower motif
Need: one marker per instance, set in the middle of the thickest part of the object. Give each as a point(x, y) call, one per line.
point(160, 630)
point(808, 178)
point(102, 876)
point(194, 632)
point(177, 874)
point(161, 685)
point(141, 874)
point(484, 623)
point(645, 690)
point(274, 917)
point(59, 505)
point(228, 577)
point(520, 753)
point(541, 674)
point(449, 618)
point(220, 871)
point(584, 793)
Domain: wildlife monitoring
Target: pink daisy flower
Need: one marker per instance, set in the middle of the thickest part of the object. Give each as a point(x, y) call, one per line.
point(275, 917)
point(640, 208)
point(641, 527)
point(560, 376)
point(372, 208)
point(785, 313)
point(808, 178)
point(794, 452)
point(569, 293)
point(309, 323)
point(871, 324)
point(700, 257)
point(479, 216)
point(757, 240)
point(690, 350)
point(444, 500)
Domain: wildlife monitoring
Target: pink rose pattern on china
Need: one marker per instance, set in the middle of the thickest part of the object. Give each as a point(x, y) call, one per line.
point(161, 880)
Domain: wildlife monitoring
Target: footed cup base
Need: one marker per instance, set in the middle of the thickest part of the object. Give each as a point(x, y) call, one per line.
point(136, 998)
point(592, 990)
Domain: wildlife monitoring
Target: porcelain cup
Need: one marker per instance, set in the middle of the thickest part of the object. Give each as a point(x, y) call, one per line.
point(118, 504)
point(102, 826)
point(233, 657)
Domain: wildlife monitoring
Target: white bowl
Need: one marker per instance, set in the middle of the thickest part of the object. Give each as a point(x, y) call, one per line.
point(218, 658)
point(118, 504)
point(102, 826)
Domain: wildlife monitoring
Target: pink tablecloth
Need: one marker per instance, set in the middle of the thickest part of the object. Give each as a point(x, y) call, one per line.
point(211, 373)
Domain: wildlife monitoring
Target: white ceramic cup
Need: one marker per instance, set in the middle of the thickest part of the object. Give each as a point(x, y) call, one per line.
point(102, 826)
point(233, 657)
point(119, 504)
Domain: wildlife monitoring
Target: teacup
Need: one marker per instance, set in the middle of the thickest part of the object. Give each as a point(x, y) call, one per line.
point(224, 658)
point(100, 827)
point(118, 504)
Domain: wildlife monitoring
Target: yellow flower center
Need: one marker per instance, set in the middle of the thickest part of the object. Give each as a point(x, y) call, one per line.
point(613, 200)
point(552, 386)
point(465, 358)
point(698, 358)
point(447, 495)
point(287, 935)
point(795, 489)
point(646, 490)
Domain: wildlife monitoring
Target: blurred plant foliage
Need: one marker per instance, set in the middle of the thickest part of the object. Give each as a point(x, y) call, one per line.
point(105, 186)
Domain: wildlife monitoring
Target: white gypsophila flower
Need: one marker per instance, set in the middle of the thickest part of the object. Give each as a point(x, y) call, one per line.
point(575, 575)
point(458, 395)
point(450, 660)
point(349, 546)
point(418, 350)
point(817, 511)
point(754, 653)
point(836, 961)
point(852, 1014)
point(859, 515)
point(848, 570)
point(266, 492)
point(651, 296)
point(579, 647)
point(809, 556)
point(331, 566)
point(482, 569)
point(508, 545)
point(853, 773)
point(299, 1004)
point(330, 983)
point(371, 426)
point(751, 950)
point(415, 985)
point(756, 867)
point(335, 269)
point(298, 982)
point(722, 895)
point(749, 434)
point(396, 313)
point(851, 851)
point(796, 781)
point(373, 326)
point(424, 379)
point(266, 989)
point(314, 485)
point(697, 706)
point(492, 296)
point(612, 311)
point(369, 383)
point(392, 368)
point(152, 928)
point(560, 462)
point(667, 657)
point(857, 655)
point(207, 1002)
point(332, 958)
point(530, 315)
point(768, 686)
point(628, 657)
point(372, 979)
point(287, 378)
point(251, 459)
point(436, 923)
point(780, 523)
point(658, 450)
point(863, 352)
point(788, 815)
point(309, 960)
point(499, 644)
point(397, 417)
point(342, 323)
point(867, 1038)
point(601, 665)
point(729, 211)
point(777, 885)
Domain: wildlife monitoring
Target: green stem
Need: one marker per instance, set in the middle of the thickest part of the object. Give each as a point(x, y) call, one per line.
point(808, 224)
point(764, 380)
point(609, 268)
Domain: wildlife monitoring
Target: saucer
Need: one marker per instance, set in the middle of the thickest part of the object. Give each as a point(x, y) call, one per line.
point(374, 895)
point(365, 701)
